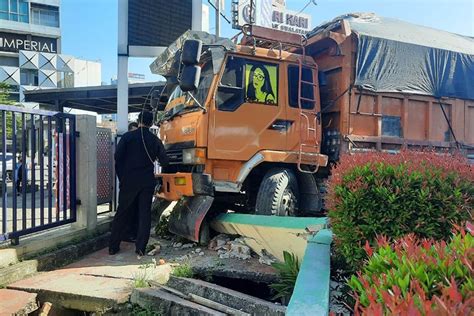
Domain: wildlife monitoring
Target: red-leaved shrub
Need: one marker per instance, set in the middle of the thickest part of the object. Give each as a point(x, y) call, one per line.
point(417, 277)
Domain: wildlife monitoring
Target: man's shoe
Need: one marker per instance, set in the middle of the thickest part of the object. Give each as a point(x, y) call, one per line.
point(140, 254)
point(113, 251)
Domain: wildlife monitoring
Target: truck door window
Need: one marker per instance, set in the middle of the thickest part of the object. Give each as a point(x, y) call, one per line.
point(246, 80)
point(230, 93)
point(307, 89)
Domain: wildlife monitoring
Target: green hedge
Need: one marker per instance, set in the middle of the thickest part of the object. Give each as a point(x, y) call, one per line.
point(393, 195)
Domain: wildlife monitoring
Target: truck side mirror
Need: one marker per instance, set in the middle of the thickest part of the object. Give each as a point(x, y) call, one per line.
point(190, 78)
point(191, 52)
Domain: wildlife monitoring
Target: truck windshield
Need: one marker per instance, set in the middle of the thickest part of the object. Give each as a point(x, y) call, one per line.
point(179, 97)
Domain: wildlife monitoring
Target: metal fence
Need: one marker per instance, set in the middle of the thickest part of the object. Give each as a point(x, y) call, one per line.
point(105, 170)
point(37, 171)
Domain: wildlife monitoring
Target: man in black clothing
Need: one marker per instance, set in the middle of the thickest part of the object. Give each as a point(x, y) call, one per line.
point(130, 231)
point(134, 161)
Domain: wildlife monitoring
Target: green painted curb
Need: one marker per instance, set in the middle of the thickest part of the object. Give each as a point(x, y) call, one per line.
point(272, 221)
point(311, 293)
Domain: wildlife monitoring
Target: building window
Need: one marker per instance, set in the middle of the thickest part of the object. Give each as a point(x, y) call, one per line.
point(29, 77)
point(14, 10)
point(8, 61)
point(44, 15)
point(65, 80)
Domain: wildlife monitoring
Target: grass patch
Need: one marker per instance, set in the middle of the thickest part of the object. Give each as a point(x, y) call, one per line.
point(183, 271)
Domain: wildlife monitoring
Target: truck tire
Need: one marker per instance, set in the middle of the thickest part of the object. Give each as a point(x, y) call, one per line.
point(278, 193)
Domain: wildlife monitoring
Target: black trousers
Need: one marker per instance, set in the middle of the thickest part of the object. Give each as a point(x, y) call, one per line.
point(131, 229)
point(124, 215)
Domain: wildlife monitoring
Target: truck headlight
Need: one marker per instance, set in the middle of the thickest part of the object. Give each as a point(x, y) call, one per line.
point(194, 156)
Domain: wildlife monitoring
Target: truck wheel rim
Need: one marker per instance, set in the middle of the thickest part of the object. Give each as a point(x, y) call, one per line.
point(288, 203)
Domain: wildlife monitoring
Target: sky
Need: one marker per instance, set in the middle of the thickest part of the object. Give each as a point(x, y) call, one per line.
point(89, 27)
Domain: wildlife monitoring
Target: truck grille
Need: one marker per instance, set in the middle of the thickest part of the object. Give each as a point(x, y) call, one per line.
point(175, 156)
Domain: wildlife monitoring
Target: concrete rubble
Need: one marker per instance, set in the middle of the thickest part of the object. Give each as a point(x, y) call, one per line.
point(237, 248)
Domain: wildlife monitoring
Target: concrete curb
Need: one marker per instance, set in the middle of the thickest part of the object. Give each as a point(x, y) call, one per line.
point(311, 293)
point(72, 253)
point(18, 271)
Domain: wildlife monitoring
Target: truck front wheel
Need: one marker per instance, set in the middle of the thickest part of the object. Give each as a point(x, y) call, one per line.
point(278, 193)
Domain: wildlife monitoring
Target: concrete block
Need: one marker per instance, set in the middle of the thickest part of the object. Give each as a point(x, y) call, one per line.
point(17, 302)
point(165, 303)
point(7, 257)
point(18, 271)
point(228, 297)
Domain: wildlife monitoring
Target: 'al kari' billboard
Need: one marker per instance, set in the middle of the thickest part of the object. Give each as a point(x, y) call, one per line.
point(272, 14)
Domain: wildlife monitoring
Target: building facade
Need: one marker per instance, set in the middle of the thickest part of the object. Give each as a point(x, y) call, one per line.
point(30, 50)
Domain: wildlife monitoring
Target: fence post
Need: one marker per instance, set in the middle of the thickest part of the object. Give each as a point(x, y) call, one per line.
point(86, 171)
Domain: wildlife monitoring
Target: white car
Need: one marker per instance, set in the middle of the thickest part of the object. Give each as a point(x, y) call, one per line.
point(8, 157)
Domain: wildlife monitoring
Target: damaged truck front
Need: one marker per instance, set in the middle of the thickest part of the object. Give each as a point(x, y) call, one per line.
point(238, 133)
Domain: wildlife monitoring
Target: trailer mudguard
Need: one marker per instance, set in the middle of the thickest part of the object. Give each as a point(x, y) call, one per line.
point(188, 214)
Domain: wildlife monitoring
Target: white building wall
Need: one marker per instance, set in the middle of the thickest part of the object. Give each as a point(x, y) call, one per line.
point(87, 73)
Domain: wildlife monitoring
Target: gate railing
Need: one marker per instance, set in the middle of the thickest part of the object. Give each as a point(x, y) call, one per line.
point(37, 171)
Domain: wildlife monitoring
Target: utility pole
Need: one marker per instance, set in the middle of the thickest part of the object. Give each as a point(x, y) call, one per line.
point(218, 18)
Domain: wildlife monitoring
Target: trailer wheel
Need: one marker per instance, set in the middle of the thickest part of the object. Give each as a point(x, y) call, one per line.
point(278, 193)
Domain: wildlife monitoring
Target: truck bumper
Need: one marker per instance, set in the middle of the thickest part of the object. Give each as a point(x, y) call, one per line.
point(177, 185)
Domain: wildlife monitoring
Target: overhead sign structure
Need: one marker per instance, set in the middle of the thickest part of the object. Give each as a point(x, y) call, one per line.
point(145, 29)
point(272, 14)
point(11, 42)
point(158, 22)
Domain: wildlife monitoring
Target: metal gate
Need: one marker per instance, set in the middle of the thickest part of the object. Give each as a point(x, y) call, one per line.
point(37, 171)
point(105, 169)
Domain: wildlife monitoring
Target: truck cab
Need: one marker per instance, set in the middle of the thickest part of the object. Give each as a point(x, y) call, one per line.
point(246, 137)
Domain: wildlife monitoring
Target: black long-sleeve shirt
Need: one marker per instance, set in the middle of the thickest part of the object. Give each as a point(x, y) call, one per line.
point(133, 165)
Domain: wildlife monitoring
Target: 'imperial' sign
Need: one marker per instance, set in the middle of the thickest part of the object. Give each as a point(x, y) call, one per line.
point(15, 42)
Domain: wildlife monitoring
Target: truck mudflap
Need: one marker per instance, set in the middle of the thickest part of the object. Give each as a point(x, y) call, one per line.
point(188, 215)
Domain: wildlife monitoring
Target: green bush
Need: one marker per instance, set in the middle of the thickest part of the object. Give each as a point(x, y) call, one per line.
point(394, 195)
point(417, 275)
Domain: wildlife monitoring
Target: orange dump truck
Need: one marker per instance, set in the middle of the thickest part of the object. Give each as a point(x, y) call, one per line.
point(254, 126)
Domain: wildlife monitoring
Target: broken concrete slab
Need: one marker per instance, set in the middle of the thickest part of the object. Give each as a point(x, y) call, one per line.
point(75, 291)
point(17, 302)
point(274, 234)
point(222, 295)
point(165, 303)
point(18, 271)
point(99, 282)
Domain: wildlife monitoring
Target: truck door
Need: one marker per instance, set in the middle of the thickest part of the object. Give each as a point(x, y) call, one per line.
point(305, 134)
point(248, 114)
